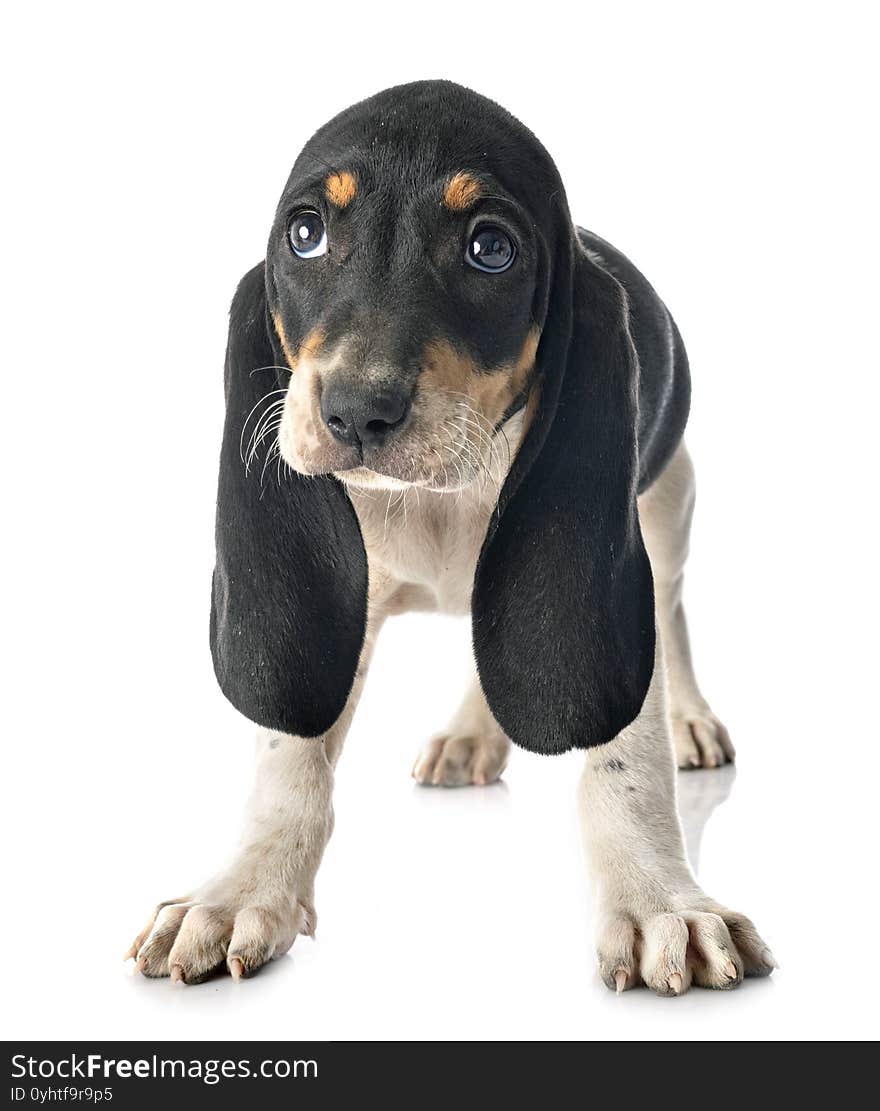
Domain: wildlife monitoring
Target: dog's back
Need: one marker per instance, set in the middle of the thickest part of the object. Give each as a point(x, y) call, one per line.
point(664, 376)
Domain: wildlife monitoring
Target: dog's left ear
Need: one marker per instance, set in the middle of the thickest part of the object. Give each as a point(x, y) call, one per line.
point(563, 602)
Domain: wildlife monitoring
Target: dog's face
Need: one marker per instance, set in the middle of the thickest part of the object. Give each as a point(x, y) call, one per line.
point(423, 280)
point(406, 294)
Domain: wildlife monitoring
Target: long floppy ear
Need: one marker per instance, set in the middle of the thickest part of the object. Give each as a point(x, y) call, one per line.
point(563, 602)
point(290, 581)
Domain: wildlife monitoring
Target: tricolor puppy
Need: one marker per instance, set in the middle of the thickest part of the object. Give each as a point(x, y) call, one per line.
point(442, 395)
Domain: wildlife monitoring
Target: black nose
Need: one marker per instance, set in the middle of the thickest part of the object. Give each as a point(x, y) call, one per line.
point(362, 415)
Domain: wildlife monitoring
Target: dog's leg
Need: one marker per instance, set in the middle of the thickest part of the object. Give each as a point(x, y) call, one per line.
point(656, 925)
point(254, 909)
point(665, 512)
point(473, 749)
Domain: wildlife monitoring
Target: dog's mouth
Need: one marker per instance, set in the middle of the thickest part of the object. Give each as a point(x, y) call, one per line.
point(365, 479)
point(457, 468)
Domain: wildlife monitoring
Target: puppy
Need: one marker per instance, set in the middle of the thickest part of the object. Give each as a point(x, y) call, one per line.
point(442, 395)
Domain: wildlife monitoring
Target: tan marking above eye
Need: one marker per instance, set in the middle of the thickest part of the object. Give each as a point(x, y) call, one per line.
point(449, 371)
point(341, 188)
point(461, 192)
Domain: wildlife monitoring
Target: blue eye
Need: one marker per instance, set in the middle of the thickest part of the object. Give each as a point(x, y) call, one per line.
point(308, 234)
point(490, 249)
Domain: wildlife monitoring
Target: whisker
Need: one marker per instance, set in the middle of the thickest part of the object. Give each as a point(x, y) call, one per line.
point(493, 471)
point(270, 455)
point(268, 429)
point(265, 397)
point(243, 430)
point(387, 509)
point(259, 433)
point(272, 411)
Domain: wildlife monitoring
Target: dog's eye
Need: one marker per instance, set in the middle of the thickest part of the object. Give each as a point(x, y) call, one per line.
point(490, 249)
point(308, 235)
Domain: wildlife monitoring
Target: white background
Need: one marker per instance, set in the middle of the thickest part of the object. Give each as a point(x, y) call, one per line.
point(729, 151)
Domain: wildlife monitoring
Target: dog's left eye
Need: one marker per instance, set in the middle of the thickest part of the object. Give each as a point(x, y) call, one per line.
point(490, 249)
point(308, 234)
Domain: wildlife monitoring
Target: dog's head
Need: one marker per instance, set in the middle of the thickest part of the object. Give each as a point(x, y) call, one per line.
point(423, 282)
point(407, 275)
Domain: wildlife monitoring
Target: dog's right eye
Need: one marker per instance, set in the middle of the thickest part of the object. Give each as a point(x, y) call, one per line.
point(308, 234)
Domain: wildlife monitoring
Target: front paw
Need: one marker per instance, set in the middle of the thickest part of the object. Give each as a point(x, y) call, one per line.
point(458, 760)
point(225, 926)
point(669, 950)
point(700, 739)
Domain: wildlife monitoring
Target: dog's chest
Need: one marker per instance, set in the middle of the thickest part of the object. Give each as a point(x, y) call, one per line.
point(423, 547)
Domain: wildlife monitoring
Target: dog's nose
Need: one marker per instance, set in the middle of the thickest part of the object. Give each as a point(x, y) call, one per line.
point(361, 415)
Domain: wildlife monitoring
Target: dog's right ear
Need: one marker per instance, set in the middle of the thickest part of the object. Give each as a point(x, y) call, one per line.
point(563, 602)
point(290, 582)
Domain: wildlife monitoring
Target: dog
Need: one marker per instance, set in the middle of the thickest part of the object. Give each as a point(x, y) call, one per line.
point(441, 395)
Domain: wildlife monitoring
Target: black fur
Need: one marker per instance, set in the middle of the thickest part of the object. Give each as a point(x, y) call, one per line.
point(290, 581)
point(563, 599)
